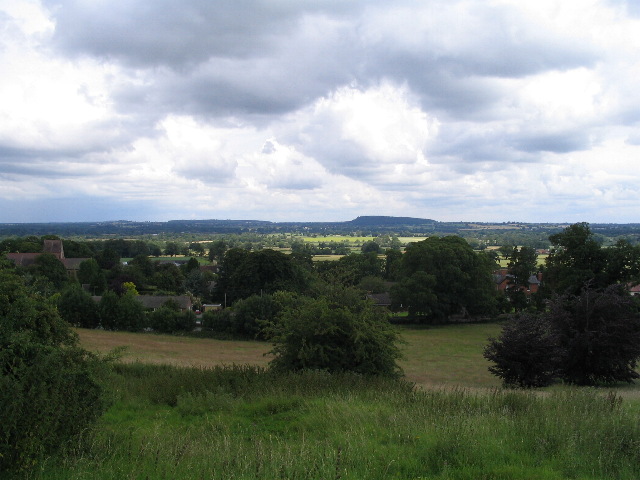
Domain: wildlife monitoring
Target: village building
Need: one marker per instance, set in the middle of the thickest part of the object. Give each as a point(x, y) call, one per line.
point(53, 247)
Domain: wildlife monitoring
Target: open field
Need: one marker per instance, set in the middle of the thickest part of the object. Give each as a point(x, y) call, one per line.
point(445, 355)
point(352, 240)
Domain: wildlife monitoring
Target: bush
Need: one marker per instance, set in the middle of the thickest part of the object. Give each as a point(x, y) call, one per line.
point(168, 320)
point(48, 386)
point(319, 334)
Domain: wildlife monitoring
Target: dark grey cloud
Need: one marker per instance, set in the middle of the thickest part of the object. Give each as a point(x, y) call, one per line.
point(177, 32)
point(264, 58)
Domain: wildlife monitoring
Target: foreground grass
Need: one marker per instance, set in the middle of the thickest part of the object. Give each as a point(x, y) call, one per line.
point(245, 423)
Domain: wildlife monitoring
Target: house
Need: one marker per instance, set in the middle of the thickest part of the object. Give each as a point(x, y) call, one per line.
point(380, 299)
point(153, 302)
point(502, 280)
point(55, 248)
point(634, 290)
point(207, 307)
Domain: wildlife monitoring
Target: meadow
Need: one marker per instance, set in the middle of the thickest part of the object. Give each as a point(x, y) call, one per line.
point(188, 408)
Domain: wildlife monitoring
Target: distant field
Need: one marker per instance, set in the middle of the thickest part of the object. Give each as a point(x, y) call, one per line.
point(446, 355)
point(335, 238)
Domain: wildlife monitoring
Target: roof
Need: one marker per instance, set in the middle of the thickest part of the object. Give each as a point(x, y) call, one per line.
point(23, 259)
point(380, 298)
point(157, 301)
point(73, 263)
point(634, 288)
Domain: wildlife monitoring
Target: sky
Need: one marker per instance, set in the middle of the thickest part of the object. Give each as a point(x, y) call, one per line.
point(310, 110)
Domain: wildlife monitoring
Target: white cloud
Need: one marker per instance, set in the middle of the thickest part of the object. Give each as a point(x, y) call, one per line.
point(457, 109)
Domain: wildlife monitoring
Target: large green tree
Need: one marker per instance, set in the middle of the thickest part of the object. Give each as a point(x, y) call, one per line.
point(576, 261)
point(91, 274)
point(244, 273)
point(48, 266)
point(586, 339)
point(461, 279)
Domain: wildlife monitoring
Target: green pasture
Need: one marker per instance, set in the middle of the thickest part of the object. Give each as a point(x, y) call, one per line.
point(210, 421)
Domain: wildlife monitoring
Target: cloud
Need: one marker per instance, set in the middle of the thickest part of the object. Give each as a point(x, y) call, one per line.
point(462, 109)
point(365, 133)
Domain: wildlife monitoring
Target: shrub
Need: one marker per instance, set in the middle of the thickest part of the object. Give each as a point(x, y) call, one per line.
point(48, 386)
point(318, 334)
point(167, 320)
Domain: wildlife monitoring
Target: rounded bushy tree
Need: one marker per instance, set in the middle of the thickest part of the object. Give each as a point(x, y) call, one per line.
point(525, 353)
point(321, 334)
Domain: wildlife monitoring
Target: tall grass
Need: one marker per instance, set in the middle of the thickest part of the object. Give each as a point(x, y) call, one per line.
point(246, 423)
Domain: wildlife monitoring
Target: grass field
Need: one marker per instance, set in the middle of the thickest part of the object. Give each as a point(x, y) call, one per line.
point(352, 240)
point(243, 422)
point(447, 355)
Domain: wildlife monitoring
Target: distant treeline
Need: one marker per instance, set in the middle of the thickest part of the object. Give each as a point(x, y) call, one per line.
point(478, 234)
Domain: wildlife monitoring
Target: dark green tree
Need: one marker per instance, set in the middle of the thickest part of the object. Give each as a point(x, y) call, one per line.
point(49, 267)
point(577, 261)
point(598, 335)
point(172, 249)
point(170, 319)
point(416, 294)
point(168, 278)
point(91, 274)
point(623, 263)
point(121, 312)
point(370, 246)
point(253, 314)
point(588, 339)
point(525, 353)
point(217, 250)
point(320, 334)
point(392, 264)
point(463, 278)
point(523, 263)
point(191, 265)
point(76, 307)
point(244, 273)
point(108, 258)
point(197, 248)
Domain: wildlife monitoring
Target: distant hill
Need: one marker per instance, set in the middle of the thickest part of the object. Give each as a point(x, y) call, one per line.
point(382, 221)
